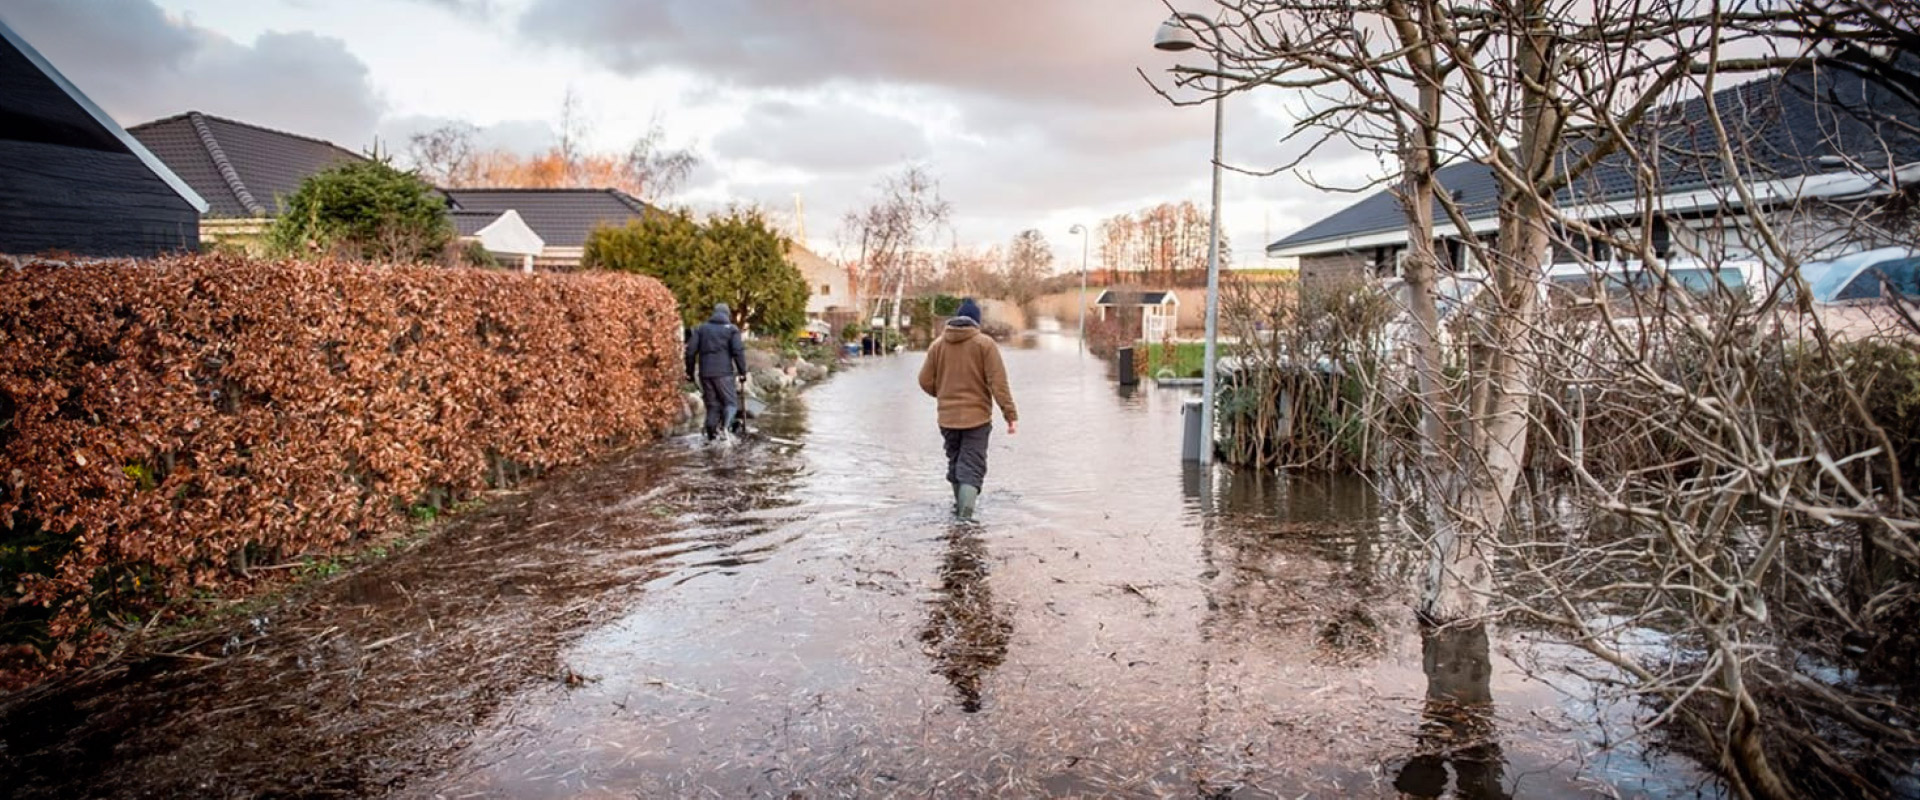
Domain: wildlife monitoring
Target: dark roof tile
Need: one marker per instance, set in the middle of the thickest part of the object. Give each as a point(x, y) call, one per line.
point(242, 170)
point(1470, 183)
point(562, 217)
point(1131, 297)
point(469, 223)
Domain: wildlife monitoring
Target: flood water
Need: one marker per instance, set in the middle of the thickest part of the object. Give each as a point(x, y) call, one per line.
point(1115, 624)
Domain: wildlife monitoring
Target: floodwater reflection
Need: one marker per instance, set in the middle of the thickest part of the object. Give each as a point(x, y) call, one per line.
point(967, 632)
point(1458, 731)
point(1115, 624)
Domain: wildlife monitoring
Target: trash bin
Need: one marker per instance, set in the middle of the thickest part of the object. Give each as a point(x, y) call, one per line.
point(1128, 375)
point(1191, 442)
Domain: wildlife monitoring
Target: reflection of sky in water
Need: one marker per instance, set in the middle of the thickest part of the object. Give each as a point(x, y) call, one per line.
point(1116, 624)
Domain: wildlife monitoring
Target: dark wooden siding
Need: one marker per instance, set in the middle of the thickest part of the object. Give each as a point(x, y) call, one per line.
point(88, 202)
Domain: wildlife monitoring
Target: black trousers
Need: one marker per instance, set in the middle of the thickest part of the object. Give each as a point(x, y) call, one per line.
point(967, 454)
point(722, 400)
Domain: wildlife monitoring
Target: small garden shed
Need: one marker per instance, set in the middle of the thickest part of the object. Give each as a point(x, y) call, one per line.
point(1159, 310)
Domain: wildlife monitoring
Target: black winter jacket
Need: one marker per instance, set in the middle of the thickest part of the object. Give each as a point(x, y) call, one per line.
point(715, 349)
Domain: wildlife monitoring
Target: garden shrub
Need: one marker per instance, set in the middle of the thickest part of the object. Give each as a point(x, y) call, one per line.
point(166, 423)
point(736, 258)
point(364, 210)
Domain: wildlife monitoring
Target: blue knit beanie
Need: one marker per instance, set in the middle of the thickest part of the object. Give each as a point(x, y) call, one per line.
point(969, 309)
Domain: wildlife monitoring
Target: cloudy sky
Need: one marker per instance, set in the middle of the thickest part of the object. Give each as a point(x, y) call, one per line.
point(1030, 113)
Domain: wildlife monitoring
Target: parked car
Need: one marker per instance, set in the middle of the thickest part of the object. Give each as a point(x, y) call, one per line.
point(1854, 295)
point(816, 331)
point(1734, 279)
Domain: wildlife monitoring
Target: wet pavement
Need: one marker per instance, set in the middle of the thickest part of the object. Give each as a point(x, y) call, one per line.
point(801, 617)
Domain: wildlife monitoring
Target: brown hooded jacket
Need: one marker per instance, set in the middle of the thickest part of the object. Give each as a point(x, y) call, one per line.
point(964, 372)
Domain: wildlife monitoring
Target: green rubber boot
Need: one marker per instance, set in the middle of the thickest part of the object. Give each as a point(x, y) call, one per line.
point(956, 496)
point(964, 499)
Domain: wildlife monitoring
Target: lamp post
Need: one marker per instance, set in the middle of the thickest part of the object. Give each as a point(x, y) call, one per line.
point(1177, 34)
point(1082, 230)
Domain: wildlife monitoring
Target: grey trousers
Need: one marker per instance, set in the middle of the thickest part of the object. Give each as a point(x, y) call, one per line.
point(967, 454)
point(722, 402)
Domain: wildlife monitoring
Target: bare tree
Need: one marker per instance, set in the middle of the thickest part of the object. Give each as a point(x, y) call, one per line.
point(574, 129)
point(1160, 243)
point(656, 169)
point(444, 155)
point(892, 235)
point(970, 272)
point(1028, 265)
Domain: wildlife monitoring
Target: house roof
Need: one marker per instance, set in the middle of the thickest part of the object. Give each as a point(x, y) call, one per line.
point(1110, 297)
point(562, 217)
point(469, 223)
point(1471, 184)
point(243, 170)
point(1798, 123)
point(41, 105)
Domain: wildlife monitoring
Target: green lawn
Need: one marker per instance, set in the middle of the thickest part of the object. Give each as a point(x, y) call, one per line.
point(1188, 358)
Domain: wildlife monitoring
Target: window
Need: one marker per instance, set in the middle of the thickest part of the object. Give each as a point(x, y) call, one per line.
point(1903, 274)
point(1702, 282)
point(826, 288)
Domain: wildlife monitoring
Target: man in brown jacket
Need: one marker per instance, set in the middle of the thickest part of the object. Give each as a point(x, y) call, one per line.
point(964, 372)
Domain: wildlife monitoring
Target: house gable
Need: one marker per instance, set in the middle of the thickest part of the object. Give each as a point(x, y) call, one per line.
point(71, 179)
point(828, 288)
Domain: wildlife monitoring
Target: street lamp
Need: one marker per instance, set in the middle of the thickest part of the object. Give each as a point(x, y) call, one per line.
point(1177, 34)
point(1082, 230)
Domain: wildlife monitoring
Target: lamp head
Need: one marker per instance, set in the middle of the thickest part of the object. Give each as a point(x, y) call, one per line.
point(1077, 228)
point(1174, 35)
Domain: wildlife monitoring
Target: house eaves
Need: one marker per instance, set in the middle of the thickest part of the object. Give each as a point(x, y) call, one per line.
point(1796, 125)
point(1824, 186)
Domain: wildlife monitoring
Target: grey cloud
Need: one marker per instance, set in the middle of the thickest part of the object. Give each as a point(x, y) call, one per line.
point(469, 8)
point(831, 136)
point(1070, 53)
point(111, 44)
point(140, 65)
point(1049, 111)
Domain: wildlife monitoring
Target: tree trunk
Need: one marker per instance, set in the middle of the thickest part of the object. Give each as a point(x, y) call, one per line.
point(1496, 422)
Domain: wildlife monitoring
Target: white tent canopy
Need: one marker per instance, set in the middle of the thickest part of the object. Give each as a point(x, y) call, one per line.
point(509, 235)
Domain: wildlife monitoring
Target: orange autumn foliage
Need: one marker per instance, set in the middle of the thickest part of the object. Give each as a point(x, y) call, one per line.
point(169, 421)
point(549, 170)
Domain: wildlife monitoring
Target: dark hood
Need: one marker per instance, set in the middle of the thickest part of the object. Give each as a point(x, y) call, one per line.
point(721, 316)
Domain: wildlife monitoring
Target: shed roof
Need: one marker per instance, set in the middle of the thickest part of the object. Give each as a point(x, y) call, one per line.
point(1112, 297)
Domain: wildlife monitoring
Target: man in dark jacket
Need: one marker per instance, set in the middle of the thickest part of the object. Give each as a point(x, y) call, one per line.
point(964, 373)
point(715, 355)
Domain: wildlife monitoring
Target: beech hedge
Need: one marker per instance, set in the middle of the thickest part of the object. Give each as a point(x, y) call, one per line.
point(165, 424)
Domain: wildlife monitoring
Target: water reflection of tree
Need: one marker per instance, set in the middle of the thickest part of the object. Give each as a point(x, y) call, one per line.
point(1291, 549)
point(1457, 730)
point(966, 633)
